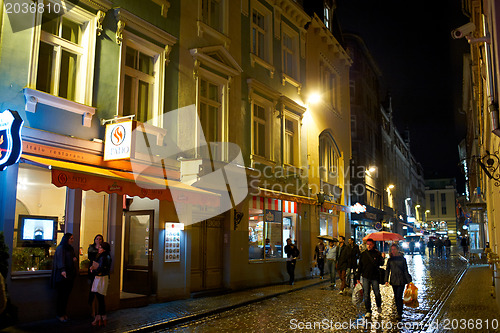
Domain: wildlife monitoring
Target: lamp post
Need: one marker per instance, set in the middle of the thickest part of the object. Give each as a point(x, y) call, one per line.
point(426, 212)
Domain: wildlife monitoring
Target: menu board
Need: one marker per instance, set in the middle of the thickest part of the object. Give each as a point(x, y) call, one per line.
point(173, 241)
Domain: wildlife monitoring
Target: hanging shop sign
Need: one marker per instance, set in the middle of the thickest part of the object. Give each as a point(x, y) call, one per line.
point(118, 142)
point(358, 208)
point(173, 241)
point(10, 138)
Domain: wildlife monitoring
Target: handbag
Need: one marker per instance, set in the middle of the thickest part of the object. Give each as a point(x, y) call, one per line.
point(100, 284)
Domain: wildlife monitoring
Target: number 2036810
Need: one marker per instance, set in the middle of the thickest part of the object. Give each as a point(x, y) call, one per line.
point(25, 8)
point(466, 324)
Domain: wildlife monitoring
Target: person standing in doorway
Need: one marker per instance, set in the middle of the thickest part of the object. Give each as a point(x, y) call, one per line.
point(292, 252)
point(397, 275)
point(331, 259)
point(101, 268)
point(368, 269)
point(342, 262)
point(63, 274)
point(319, 256)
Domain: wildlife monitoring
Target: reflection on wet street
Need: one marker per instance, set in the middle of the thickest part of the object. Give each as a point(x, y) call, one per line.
point(321, 308)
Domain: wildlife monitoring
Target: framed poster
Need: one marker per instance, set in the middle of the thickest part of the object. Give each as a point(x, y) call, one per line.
point(173, 241)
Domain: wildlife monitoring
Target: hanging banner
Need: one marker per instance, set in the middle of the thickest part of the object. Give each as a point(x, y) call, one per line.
point(10, 138)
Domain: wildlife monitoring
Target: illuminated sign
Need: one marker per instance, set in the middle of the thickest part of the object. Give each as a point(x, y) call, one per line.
point(10, 138)
point(173, 241)
point(358, 208)
point(118, 141)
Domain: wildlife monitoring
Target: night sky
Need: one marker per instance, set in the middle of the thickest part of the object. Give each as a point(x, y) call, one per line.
point(422, 69)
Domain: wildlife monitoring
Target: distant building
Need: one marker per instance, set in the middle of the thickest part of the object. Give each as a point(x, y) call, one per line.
point(441, 203)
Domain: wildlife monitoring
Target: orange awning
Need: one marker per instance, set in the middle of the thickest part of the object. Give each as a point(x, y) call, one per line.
point(86, 177)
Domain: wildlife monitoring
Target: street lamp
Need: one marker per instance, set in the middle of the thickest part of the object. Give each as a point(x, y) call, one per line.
point(426, 212)
point(390, 187)
point(314, 98)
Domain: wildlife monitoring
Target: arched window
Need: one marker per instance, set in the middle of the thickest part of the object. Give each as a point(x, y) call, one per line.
point(328, 159)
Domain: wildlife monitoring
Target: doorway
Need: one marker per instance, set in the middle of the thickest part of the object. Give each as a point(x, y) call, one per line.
point(207, 255)
point(138, 252)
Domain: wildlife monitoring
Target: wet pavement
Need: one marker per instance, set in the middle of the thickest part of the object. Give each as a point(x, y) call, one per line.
point(320, 308)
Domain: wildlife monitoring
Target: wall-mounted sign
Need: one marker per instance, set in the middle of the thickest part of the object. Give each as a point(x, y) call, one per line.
point(378, 226)
point(10, 138)
point(173, 241)
point(358, 208)
point(118, 141)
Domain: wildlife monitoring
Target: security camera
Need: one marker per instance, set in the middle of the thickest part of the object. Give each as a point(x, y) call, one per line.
point(464, 30)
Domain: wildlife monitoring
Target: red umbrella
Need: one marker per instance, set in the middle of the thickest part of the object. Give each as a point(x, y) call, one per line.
point(384, 236)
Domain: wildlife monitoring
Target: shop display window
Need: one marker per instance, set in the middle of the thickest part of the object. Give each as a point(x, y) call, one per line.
point(94, 222)
point(271, 222)
point(37, 202)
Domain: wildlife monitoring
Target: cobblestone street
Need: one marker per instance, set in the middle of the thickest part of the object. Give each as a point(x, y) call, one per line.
point(326, 308)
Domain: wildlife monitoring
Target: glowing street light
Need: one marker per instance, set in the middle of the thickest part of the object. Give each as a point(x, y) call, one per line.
point(314, 98)
point(390, 187)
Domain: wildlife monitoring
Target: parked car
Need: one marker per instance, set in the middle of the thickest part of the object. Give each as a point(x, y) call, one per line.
point(418, 245)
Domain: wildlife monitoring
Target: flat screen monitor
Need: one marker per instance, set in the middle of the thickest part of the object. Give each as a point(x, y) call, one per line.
point(35, 229)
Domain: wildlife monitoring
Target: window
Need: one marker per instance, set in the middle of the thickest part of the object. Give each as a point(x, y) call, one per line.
point(271, 223)
point(352, 91)
point(36, 196)
point(142, 73)
point(212, 13)
point(327, 159)
point(260, 30)
point(210, 111)
point(139, 83)
point(259, 130)
point(433, 204)
point(326, 18)
point(329, 85)
point(290, 49)
point(289, 150)
point(353, 126)
point(94, 222)
point(443, 203)
point(64, 61)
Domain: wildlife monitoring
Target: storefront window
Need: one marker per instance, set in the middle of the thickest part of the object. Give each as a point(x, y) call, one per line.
point(94, 222)
point(271, 222)
point(39, 220)
point(328, 224)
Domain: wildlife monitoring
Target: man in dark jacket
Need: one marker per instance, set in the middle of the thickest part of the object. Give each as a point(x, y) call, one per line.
point(353, 261)
point(343, 258)
point(447, 245)
point(292, 252)
point(368, 268)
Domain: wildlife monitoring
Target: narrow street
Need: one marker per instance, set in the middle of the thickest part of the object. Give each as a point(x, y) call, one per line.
point(320, 308)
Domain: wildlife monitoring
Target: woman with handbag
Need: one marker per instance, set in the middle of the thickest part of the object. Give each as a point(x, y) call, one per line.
point(93, 251)
point(101, 268)
point(397, 275)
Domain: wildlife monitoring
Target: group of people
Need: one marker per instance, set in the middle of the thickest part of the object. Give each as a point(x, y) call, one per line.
point(439, 247)
point(340, 258)
point(363, 264)
point(64, 273)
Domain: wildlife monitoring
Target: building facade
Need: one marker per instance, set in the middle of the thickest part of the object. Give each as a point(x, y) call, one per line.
point(441, 208)
point(227, 158)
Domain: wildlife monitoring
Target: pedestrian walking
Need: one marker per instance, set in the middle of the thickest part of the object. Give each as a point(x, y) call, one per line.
point(319, 256)
point(430, 246)
point(342, 264)
point(63, 274)
point(92, 252)
point(368, 270)
point(353, 262)
point(362, 246)
point(464, 242)
point(331, 259)
point(447, 245)
point(397, 275)
point(439, 247)
point(101, 268)
point(292, 252)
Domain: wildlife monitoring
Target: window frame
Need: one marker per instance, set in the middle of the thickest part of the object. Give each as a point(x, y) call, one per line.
point(294, 37)
point(268, 110)
point(86, 62)
point(296, 121)
point(267, 58)
point(159, 55)
point(329, 81)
